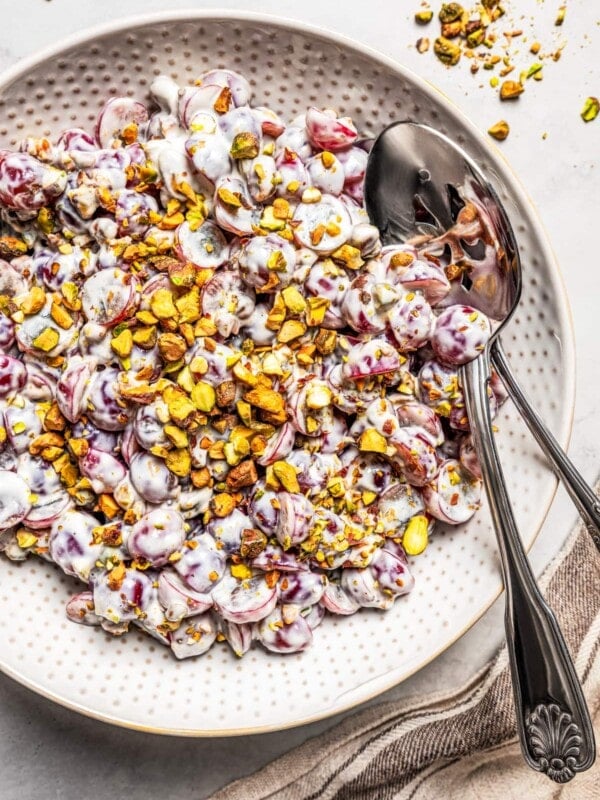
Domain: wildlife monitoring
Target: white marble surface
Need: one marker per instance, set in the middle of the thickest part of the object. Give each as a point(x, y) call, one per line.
point(51, 753)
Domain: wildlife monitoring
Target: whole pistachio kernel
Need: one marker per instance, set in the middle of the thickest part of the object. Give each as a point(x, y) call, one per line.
point(450, 12)
point(415, 535)
point(590, 109)
point(447, 52)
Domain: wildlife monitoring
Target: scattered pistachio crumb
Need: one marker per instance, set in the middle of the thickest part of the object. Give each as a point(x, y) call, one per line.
point(499, 130)
point(590, 109)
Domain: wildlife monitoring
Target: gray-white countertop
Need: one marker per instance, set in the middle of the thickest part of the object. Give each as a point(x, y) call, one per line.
point(49, 753)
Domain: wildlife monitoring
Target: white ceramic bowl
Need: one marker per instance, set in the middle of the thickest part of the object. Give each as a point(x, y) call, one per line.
point(133, 681)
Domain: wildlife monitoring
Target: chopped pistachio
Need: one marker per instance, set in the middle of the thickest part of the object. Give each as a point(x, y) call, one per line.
point(204, 397)
point(276, 315)
point(510, 90)
point(447, 52)
point(499, 130)
point(229, 198)
point(371, 441)
point(590, 109)
point(293, 300)
point(108, 506)
point(145, 337)
point(223, 102)
point(476, 38)
point(290, 330)
point(276, 261)
point(177, 436)
point(269, 221)
point(200, 478)
point(146, 318)
point(122, 344)
point(162, 304)
point(286, 475)
point(318, 396)
point(423, 17)
point(349, 256)
point(179, 462)
point(244, 145)
point(180, 406)
point(222, 504)
point(311, 195)
point(450, 12)
point(182, 273)
point(281, 208)
point(533, 70)
point(253, 543)
point(34, 301)
point(450, 30)
point(46, 340)
point(26, 539)
point(244, 411)
point(171, 346)
point(265, 399)
point(326, 341)
point(199, 366)
point(11, 247)
point(242, 475)
point(70, 295)
point(244, 375)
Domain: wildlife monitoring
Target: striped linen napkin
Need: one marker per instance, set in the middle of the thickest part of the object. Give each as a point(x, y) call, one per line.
point(461, 745)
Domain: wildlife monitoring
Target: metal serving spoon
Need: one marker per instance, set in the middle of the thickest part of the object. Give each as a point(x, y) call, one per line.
point(417, 182)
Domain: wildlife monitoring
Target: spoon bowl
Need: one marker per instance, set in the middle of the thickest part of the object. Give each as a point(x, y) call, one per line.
point(422, 189)
point(419, 186)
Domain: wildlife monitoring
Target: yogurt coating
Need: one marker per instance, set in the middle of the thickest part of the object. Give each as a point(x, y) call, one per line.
point(225, 407)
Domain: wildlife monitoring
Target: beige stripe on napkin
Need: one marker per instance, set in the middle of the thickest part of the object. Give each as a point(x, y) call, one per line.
point(461, 745)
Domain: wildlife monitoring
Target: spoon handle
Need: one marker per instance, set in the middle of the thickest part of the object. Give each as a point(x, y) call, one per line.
point(553, 722)
point(582, 495)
